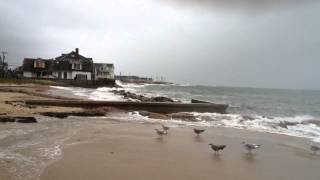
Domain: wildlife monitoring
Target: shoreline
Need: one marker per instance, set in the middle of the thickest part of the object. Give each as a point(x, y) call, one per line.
point(128, 150)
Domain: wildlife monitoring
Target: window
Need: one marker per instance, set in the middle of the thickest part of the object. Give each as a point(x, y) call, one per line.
point(39, 64)
point(59, 75)
point(81, 77)
point(76, 66)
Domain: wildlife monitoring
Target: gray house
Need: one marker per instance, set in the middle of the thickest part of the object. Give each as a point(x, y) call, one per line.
point(67, 66)
point(37, 68)
point(73, 66)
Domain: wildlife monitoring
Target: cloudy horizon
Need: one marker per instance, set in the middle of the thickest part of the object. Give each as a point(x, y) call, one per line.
point(261, 43)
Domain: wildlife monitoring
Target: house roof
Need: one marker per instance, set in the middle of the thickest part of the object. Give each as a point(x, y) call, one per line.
point(73, 55)
point(61, 63)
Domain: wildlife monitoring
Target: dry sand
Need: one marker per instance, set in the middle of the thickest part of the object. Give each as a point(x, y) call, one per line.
point(120, 150)
point(16, 105)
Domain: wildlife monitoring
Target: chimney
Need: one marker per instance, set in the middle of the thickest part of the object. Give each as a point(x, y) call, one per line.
point(77, 51)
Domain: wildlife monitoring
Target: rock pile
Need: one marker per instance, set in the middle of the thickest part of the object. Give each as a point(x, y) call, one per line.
point(87, 113)
point(130, 95)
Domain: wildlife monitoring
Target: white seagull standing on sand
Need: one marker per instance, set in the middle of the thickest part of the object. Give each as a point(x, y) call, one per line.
point(165, 128)
point(251, 147)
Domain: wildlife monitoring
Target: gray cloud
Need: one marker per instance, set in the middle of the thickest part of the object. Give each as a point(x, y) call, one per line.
point(227, 46)
point(238, 3)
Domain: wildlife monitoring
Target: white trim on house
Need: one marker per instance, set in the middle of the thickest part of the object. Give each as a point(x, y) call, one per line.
point(27, 74)
point(88, 74)
point(71, 74)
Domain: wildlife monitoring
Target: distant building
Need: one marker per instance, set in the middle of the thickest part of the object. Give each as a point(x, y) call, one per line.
point(37, 68)
point(73, 66)
point(134, 79)
point(103, 71)
point(67, 66)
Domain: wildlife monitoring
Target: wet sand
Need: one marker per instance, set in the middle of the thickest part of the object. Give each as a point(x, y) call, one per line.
point(123, 150)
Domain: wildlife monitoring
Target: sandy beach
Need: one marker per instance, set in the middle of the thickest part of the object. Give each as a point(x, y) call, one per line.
point(123, 150)
point(12, 97)
point(116, 148)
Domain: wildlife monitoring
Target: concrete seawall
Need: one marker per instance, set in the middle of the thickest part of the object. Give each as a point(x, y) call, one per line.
point(87, 83)
point(137, 106)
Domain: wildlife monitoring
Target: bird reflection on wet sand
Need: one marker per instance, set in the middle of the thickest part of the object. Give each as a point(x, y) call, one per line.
point(198, 139)
point(159, 139)
point(250, 157)
point(216, 157)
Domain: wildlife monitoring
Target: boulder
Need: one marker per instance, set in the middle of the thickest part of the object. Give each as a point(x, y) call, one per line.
point(144, 113)
point(161, 99)
point(6, 119)
point(247, 117)
point(130, 95)
point(26, 120)
point(18, 119)
point(285, 124)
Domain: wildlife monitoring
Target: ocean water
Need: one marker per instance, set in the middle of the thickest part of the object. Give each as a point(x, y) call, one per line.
point(290, 112)
point(26, 149)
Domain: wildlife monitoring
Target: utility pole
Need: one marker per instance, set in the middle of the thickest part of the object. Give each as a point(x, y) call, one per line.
point(3, 58)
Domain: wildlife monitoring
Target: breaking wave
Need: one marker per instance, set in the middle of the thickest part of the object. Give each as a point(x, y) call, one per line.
point(290, 112)
point(298, 126)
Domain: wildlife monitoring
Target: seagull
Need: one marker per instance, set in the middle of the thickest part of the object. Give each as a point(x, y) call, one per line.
point(165, 128)
point(251, 147)
point(160, 133)
point(314, 148)
point(198, 131)
point(217, 148)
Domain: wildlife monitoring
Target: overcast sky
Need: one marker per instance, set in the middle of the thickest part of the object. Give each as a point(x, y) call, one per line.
point(253, 43)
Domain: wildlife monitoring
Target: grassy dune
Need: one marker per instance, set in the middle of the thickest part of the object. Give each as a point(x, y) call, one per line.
point(27, 81)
